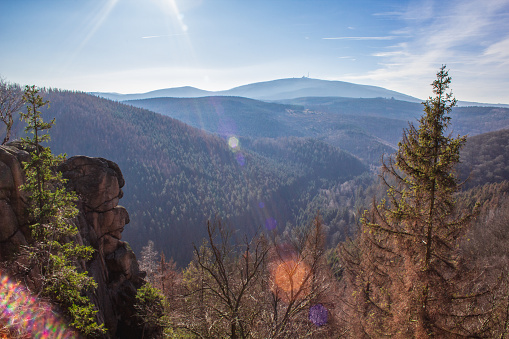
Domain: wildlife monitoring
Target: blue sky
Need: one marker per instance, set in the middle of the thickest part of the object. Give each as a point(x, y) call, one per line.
point(129, 46)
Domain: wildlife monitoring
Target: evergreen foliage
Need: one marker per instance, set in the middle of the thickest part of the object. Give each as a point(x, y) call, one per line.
point(410, 272)
point(365, 127)
point(54, 253)
point(409, 280)
point(150, 305)
point(178, 176)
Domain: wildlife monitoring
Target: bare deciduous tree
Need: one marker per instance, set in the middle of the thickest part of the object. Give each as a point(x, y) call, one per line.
point(11, 101)
point(148, 261)
point(300, 283)
point(222, 286)
point(256, 289)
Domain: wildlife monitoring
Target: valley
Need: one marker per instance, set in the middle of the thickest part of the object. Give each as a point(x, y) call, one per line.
point(254, 169)
point(291, 159)
point(367, 128)
point(287, 170)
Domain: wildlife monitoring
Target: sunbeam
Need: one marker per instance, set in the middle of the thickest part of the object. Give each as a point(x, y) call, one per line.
point(98, 19)
point(176, 26)
point(179, 16)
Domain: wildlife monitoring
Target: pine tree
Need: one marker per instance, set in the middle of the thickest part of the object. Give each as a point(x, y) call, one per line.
point(408, 278)
point(54, 253)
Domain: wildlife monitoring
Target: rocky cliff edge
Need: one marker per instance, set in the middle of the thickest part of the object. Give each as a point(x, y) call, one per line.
point(98, 183)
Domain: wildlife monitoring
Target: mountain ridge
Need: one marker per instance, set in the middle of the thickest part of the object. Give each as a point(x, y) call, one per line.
point(365, 127)
point(279, 89)
point(285, 89)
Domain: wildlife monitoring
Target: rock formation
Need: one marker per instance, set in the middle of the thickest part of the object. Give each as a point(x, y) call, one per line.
point(98, 183)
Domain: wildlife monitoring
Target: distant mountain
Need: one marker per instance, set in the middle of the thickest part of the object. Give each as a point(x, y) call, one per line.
point(306, 87)
point(274, 90)
point(365, 127)
point(479, 104)
point(285, 89)
point(178, 176)
point(177, 92)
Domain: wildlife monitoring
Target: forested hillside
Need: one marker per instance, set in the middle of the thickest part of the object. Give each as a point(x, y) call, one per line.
point(225, 115)
point(426, 259)
point(365, 127)
point(177, 177)
point(485, 159)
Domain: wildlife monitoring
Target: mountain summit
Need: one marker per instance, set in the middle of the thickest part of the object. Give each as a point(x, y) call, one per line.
point(280, 89)
point(292, 88)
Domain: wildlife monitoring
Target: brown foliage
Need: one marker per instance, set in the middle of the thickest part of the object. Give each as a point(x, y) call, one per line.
point(406, 276)
point(255, 289)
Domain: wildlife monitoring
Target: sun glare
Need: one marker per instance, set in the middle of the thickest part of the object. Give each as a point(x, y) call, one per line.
point(99, 19)
point(172, 8)
point(176, 26)
point(180, 17)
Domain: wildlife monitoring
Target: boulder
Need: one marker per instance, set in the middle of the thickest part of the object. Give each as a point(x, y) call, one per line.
point(97, 180)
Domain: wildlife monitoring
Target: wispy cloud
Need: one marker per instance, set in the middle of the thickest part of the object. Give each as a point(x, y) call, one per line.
point(388, 14)
point(470, 37)
point(389, 54)
point(498, 52)
point(159, 36)
point(423, 10)
point(351, 58)
point(361, 38)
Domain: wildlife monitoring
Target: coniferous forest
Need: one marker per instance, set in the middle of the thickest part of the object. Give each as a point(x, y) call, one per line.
point(257, 224)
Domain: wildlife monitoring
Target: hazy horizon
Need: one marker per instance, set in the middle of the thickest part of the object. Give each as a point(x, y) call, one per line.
point(129, 46)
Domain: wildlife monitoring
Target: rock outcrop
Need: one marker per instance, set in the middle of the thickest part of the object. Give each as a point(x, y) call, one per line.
point(98, 183)
point(13, 221)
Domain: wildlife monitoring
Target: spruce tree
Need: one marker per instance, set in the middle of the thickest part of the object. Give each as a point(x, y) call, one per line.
point(54, 253)
point(408, 277)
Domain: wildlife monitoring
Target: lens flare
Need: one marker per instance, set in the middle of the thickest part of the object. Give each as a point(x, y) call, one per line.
point(240, 159)
point(291, 279)
point(22, 314)
point(318, 315)
point(103, 12)
point(233, 142)
point(270, 224)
